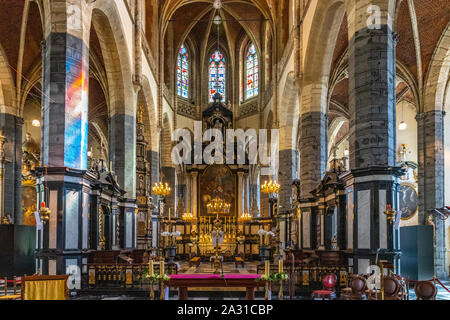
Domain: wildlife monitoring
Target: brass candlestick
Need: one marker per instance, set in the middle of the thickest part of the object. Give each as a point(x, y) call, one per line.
point(390, 214)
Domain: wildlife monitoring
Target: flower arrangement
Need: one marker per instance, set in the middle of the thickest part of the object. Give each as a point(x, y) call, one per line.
point(264, 237)
point(273, 277)
point(155, 278)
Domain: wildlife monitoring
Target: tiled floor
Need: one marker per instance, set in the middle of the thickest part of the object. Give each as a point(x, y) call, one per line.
point(441, 295)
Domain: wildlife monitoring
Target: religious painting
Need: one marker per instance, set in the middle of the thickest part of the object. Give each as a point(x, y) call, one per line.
point(408, 201)
point(217, 180)
point(29, 199)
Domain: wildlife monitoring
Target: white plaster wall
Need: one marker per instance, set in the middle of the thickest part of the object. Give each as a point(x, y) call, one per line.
point(249, 122)
point(407, 112)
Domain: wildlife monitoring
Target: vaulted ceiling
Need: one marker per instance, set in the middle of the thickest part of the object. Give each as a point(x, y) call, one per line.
point(193, 20)
point(431, 19)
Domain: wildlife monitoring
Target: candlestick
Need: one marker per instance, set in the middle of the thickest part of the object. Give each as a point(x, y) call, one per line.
point(150, 267)
point(280, 266)
point(161, 268)
point(267, 270)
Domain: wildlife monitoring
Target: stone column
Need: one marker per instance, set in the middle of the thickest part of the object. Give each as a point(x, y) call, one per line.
point(287, 174)
point(188, 193)
point(373, 181)
point(62, 183)
point(313, 159)
point(12, 197)
point(194, 199)
point(240, 192)
point(246, 193)
point(313, 150)
point(431, 179)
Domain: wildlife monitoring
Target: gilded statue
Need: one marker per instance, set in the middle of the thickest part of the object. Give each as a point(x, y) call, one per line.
point(31, 155)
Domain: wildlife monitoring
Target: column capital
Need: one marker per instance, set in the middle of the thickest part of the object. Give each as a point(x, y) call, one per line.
point(430, 114)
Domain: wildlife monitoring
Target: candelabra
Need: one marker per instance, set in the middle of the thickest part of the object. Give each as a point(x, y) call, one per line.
point(273, 188)
point(188, 217)
point(218, 206)
point(245, 217)
point(161, 190)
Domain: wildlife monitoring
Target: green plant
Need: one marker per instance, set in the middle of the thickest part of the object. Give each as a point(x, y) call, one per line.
point(154, 278)
point(273, 277)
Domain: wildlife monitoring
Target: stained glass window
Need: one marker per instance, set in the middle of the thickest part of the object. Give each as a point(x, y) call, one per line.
point(183, 73)
point(217, 75)
point(252, 68)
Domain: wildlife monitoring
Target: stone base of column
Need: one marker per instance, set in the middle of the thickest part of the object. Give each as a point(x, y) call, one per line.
point(369, 191)
point(63, 239)
point(127, 224)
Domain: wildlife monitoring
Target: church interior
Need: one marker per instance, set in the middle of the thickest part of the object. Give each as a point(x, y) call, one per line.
point(224, 149)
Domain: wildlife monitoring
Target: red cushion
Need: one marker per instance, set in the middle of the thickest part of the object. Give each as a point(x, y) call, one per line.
point(323, 292)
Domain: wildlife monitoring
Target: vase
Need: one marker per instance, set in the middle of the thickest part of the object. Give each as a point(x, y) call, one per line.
point(171, 254)
point(264, 254)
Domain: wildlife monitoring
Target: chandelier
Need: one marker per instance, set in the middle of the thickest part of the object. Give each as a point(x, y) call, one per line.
point(271, 187)
point(162, 189)
point(218, 206)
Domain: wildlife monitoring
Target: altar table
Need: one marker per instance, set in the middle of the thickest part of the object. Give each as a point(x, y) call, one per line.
point(185, 281)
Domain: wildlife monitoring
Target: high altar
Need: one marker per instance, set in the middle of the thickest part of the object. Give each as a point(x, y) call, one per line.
point(218, 190)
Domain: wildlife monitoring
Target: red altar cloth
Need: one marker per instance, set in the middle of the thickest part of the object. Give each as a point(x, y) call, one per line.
point(214, 276)
point(185, 281)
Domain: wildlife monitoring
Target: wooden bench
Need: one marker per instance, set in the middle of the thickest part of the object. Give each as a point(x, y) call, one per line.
point(239, 261)
point(195, 261)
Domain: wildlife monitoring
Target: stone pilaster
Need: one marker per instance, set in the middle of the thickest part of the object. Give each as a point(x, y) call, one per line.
point(313, 151)
point(431, 178)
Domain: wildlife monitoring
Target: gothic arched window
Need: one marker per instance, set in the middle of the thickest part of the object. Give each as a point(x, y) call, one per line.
point(217, 75)
point(252, 68)
point(183, 73)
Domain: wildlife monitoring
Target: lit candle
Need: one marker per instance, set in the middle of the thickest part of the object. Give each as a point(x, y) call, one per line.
point(150, 267)
point(267, 268)
point(280, 266)
point(161, 268)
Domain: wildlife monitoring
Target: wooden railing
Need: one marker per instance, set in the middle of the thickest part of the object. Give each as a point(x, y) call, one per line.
point(303, 280)
point(121, 275)
point(10, 287)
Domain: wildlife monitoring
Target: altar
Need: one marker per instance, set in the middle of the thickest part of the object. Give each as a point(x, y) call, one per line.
point(185, 281)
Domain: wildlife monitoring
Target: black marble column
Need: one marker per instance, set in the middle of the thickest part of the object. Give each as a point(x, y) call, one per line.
point(12, 129)
point(373, 182)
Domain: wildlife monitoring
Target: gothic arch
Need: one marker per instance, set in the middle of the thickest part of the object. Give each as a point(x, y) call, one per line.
point(290, 111)
point(322, 39)
point(7, 87)
point(150, 121)
point(438, 74)
point(108, 26)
